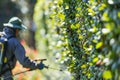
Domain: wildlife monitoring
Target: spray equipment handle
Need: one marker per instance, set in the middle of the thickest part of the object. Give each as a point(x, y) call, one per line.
point(40, 59)
point(48, 67)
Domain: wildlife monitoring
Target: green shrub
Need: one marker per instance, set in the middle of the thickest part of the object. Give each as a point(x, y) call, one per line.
point(88, 36)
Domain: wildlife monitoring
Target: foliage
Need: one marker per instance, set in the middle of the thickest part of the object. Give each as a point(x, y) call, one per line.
point(47, 39)
point(88, 39)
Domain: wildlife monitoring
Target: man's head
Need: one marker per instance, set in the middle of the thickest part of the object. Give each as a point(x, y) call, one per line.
point(15, 23)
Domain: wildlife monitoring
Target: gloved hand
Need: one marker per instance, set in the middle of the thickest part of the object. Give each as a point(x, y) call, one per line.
point(41, 65)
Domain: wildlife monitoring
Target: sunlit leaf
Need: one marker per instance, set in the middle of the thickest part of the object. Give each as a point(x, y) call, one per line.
point(77, 15)
point(84, 66)
point(94, 29)
point(91, 64)
point(77, 25)
point(80, 36)
point(95, 60)
point(94, 41)
point(61, 16)
point(102, 6)
point(105, 17)
point(91, 12)
point(84, 72)
point(110, 26)
point(107, 74)
point(73, 26)
point(67, 7)
point(119, 14)
point(88, 74)
point(78, 9)
point(99, 45)
point(105, 30)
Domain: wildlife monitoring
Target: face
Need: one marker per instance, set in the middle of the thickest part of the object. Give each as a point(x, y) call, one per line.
point(17, 32)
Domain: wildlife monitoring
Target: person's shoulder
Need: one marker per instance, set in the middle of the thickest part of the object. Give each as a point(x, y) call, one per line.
point(13, 40)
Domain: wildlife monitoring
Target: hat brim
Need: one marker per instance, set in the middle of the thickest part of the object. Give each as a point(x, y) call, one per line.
point(22, 27)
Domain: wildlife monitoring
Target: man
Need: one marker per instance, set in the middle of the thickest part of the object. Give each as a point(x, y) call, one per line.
point(15, 51)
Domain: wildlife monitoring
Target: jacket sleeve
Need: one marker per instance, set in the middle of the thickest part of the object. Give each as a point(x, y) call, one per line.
point(19, 53)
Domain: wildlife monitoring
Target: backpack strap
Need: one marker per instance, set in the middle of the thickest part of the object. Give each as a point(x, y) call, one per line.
point(5, 48)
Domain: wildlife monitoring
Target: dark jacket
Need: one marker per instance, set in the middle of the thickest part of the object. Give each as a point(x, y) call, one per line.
point(15, 51)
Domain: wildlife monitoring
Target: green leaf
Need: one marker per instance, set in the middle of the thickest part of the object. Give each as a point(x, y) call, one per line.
point(95, 60)
point(91, 12)
point(110, 26)
point(94, 29)
point(77, 25)
point(77, 15)
point(105, 16)
point(102, 6)
point(99, 45)
point(67, 7)
point(107, 74)
point(74, 26)
point(61, 16)
point(119, 14)
point(105, 30)
point(94, 41)
point(80, 36)
point(78, 9)
point(83, 66)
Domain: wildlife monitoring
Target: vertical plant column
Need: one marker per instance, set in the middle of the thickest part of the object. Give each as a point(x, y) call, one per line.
point(72, 37)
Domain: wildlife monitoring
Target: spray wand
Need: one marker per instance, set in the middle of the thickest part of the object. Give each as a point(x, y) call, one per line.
point(47, 67)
